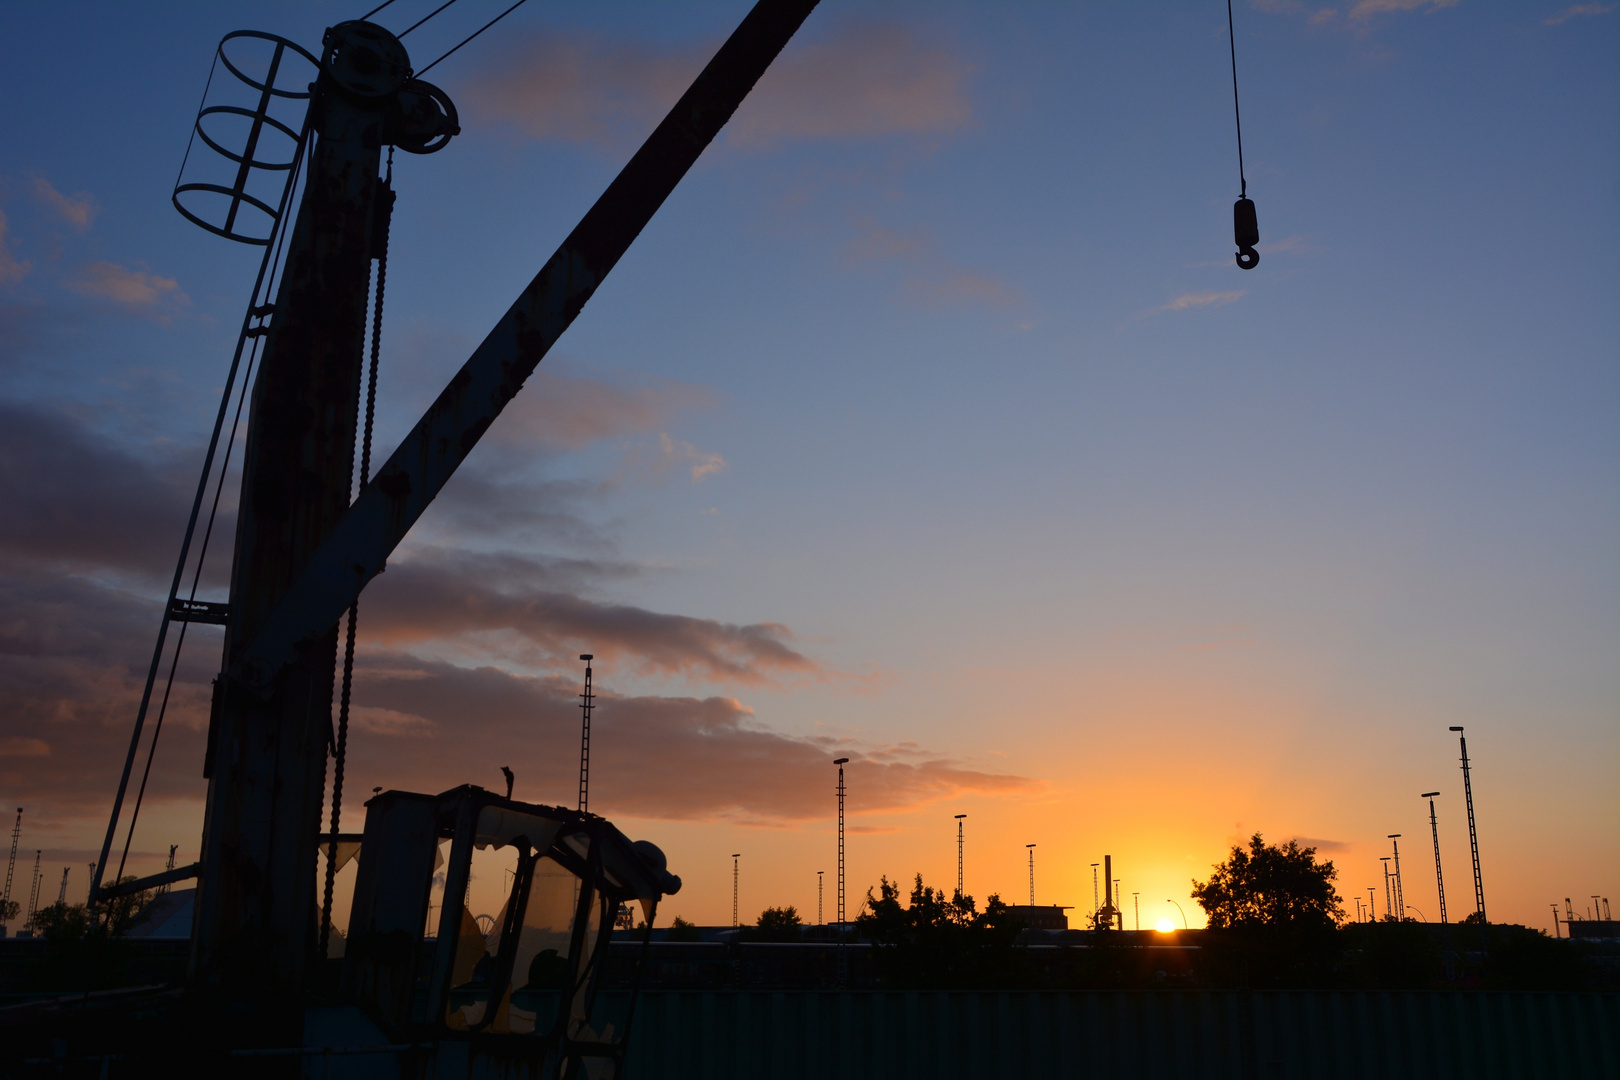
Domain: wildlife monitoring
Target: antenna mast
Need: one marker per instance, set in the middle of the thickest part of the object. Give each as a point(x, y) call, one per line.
point(11, 864)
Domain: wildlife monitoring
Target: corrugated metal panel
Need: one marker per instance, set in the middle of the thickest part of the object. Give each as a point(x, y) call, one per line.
point(1265, 1035)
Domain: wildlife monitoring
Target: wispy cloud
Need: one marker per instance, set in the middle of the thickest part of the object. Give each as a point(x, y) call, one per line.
point(1576, 11)
point(867, 80)
point(931, 280)
point(653, 462)
point(1366, 9)
point(1189, 301)
point(11, 267)
point(78, 210)
point(571, 412)
point(502, 605)
point(138, 290)
point(672, 757)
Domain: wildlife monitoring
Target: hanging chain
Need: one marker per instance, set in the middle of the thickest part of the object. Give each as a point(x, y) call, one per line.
point(385, 210)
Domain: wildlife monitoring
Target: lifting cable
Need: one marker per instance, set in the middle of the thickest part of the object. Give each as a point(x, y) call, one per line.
point(385, 210)
point(470, 36)
point(262, 285)
point(1245, 227)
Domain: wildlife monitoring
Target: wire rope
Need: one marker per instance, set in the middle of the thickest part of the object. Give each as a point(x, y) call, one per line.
point(424, 18)
point(469, 37)
point(213, 514)
point(266, 272)
point(1237, 115)
point(374, 10)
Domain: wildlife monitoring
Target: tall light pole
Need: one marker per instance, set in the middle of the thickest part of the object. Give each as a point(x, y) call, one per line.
point(586, 701)
point(1389, 899)
point(1095, 901)
point(959, 818)
point(734, 858)
point(1372, 909)
point(1400, 894)
point(1136, 904)
point(1031, 848)
point(1179, 911)
point(1473, 834)
point(841, 762)
point(819, 882)
point(1434, 828)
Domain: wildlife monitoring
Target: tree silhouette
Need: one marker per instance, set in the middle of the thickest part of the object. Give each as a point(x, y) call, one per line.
point(1270, 886)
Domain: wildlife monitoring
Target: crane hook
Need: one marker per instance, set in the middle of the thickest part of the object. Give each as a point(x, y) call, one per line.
point(1245, 233)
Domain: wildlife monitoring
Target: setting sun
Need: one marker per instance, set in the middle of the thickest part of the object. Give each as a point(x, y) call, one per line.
point(1165, 926)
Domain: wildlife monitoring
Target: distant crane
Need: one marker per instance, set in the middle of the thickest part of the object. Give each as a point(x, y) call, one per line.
point(61, 894)
point(33, 893)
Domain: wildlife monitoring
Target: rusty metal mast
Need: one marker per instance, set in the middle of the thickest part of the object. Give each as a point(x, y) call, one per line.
point(304, 551)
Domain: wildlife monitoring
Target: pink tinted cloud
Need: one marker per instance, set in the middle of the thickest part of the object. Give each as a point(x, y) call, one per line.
point(138, 290)
point(486, 601)
point(657, 757)
point(11, 267)
point(866, 80)
point(77, 210)
point(570, 412)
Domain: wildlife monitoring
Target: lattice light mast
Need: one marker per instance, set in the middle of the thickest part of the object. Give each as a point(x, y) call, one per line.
point(1031, 848)
point(841, 762)
point(1096, 900)
point(1389, 895)
point(33, 888)
point(1473, 835)
point(1400, 894)
point(820, 881)
point(586, 701)
point(1434, 829)
point(11, 863)
point(734, 857)
point(959, 892)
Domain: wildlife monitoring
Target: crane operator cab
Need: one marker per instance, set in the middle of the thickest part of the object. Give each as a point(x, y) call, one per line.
point(525, 989)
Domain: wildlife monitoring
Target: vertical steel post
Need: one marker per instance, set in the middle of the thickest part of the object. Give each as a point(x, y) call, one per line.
point(1031, 875)
point(255, 925)
point(734, 922)
point(1094, 900)
point(820, 881)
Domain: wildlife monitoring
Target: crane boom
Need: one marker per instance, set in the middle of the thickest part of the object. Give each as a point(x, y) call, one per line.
point(357, 548)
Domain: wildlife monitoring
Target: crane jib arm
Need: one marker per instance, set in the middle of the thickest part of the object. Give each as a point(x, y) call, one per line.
point(389, 505)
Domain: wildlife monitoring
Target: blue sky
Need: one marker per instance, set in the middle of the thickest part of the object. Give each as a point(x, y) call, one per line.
point(934, 403)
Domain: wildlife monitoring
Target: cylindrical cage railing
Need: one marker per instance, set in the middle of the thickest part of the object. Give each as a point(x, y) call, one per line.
point(250, 179)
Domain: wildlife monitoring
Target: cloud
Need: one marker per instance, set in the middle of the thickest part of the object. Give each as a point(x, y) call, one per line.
point(653, 757)
point(1331, 847)
point(1188, 301)
point(449, 596)
point(11, 268)
point(18, 746)
point(1366, 9)
point(1576, 11)
point(867, 80)
point(74, 499)
point(136, 289)
point(933, 280)
point(652, 463)
point(571, 412)
point(78, 211)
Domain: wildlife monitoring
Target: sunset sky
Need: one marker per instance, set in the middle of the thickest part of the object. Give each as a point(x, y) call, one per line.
point(929, 423)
